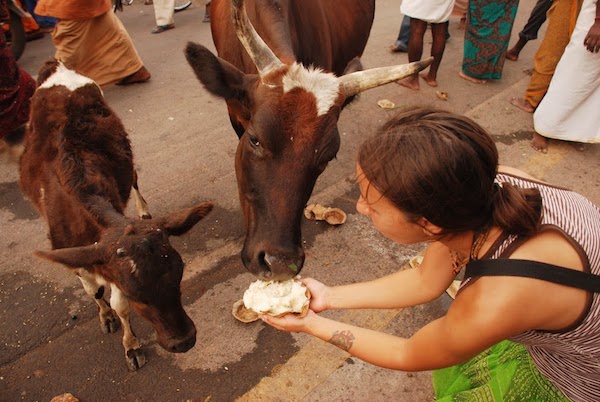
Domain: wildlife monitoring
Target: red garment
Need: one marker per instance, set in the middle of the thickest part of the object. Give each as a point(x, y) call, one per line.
point(16, 89)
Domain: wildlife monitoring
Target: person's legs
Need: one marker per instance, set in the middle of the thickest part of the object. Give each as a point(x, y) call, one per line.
point(163, 13)
point(437, 51)
point(513, 53)
point(415, 51)
point(401, 44)
point(530, 31)
point(206, 12)
point(536, 19)
point(548, 55)
point(539, 143)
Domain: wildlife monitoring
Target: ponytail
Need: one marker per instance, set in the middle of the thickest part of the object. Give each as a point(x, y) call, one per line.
point(517, 210)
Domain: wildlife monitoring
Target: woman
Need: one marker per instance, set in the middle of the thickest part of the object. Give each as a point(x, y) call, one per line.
point(488, 29)
point(432, 176)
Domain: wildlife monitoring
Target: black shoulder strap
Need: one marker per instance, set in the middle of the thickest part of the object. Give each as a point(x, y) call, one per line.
point(534, 269)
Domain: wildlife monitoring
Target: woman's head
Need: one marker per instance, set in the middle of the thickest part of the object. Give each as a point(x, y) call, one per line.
point(437, 165)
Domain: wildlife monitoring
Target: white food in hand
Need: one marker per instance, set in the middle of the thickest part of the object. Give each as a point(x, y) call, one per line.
point(276, 298)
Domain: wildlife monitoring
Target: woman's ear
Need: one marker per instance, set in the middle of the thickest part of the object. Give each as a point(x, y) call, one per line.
point(429, 228)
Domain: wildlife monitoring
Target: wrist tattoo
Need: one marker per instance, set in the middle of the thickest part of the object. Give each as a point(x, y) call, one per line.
point(342, 339)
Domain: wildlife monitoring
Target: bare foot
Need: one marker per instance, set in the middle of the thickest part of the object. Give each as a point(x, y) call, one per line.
point(522, 104)
point(475, 80)
point(141, 75)
point(432, 82)
point(539, 143)
point(512, 54)
point(411, 82)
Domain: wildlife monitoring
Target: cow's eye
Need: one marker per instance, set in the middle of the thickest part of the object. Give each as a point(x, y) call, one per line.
point(253, 140)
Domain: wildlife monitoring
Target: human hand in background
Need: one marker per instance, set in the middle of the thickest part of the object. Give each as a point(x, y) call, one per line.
point(592, 39)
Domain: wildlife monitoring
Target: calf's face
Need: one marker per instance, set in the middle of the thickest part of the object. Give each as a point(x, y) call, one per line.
point(137, 257)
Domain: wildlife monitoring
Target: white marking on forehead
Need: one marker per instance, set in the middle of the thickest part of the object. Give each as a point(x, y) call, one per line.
point(68, 78)
point(324, 86)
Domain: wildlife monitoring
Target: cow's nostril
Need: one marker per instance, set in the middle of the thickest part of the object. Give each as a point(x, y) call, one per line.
point(269, 260)
point(264, 261)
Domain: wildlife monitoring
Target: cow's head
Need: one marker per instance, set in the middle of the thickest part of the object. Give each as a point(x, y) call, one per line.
point(286, 117)
point(137, 257)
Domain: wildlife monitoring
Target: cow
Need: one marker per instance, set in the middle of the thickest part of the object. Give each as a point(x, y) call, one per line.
point(285, 69)
point(77, 170)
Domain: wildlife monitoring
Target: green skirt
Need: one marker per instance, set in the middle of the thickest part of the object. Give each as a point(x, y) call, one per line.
point(490, 24)
point(505, 372)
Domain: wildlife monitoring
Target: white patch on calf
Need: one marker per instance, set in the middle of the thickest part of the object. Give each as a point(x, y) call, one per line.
point(67, 78)
point(324, 86)
point(133, 266)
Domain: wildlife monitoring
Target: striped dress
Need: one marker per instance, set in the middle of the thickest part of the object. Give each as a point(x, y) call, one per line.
point(569, 359)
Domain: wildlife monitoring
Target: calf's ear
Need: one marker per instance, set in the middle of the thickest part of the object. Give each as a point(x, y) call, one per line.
point(75, 257)
point(178, 223)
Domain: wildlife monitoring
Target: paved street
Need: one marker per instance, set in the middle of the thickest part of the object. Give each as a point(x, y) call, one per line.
point(50, 340)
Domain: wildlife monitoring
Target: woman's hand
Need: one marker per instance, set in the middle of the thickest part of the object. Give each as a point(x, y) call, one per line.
point(292, 322)
point(592, 39)
point(318, 294)
point(289, 322)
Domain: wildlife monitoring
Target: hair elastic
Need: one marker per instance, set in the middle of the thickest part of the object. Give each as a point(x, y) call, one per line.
point(498, 183)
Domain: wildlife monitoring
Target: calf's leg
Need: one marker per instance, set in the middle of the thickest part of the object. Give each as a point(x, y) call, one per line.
point(140, 204)
point(134, 356)
point(108, 318)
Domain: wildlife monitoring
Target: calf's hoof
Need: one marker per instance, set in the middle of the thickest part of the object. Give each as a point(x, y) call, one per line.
point(135, 359)
point(109, 324)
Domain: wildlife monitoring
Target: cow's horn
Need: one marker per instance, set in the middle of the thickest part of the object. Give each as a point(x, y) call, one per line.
point(262, 56)
point(359, 81)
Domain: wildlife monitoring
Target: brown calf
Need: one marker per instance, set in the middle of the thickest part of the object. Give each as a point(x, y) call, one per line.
point(77, 170)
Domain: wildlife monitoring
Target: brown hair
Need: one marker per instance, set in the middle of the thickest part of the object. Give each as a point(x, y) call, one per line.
point(441, 166)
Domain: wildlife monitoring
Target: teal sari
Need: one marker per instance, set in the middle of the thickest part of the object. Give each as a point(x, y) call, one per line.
point(489, 25)
point(505, 372)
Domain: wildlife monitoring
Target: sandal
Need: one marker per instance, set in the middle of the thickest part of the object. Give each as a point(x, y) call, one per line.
point(162, 28)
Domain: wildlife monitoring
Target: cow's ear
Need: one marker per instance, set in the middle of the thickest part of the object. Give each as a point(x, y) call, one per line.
point(353, 66)
point(218, 76)
point(178, 223)
point(75, 257)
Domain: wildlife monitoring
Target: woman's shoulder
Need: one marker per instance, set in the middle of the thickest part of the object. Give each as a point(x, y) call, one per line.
point(517, 173)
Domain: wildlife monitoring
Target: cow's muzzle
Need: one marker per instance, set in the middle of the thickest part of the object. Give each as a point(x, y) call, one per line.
point(179, 344)
point(274, 266)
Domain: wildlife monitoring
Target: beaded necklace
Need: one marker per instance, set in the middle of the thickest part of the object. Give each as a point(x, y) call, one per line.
point(457, 263)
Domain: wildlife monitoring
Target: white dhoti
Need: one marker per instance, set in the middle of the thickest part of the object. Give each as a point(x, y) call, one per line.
point(433, 11)
point(570, 110)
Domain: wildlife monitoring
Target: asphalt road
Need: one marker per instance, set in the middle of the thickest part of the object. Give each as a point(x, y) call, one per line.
point(50, 340)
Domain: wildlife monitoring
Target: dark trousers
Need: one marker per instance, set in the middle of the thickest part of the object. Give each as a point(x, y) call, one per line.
point(536, 19)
